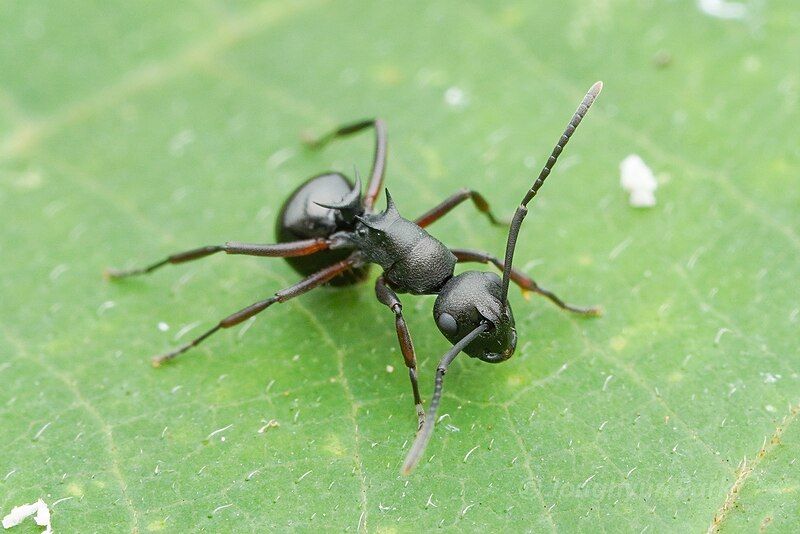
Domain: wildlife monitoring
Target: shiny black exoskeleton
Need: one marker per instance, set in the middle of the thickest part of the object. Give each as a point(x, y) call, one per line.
point(302, 217)
point(464, 302)
point(329, 232)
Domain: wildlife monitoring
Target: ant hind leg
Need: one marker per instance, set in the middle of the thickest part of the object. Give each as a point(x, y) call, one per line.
point(524, 282)
point(307, 284)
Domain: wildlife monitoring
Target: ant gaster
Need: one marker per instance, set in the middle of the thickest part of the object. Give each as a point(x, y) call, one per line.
point(330, 234)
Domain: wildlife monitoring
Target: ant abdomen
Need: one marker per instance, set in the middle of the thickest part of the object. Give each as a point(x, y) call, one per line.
point(301, 217)
point(466, 301)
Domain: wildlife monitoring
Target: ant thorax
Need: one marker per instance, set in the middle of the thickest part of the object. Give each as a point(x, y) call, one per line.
point(413, 261)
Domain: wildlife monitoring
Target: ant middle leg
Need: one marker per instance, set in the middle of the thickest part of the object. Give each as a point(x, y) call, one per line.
point(307, 284)
point(522, 280)
point(282, 250)
point(389, 298)
point(378, 160)
point(454, 200)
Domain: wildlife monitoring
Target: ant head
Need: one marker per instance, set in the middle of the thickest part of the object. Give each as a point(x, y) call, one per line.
point(349, 208)
point(466, 301)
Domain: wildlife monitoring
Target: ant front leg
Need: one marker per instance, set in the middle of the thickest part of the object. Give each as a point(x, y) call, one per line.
point(378, 160)
point(307, 284)
point(454, 200)
point(522, 280)
point(389, 298)
point(282, 250)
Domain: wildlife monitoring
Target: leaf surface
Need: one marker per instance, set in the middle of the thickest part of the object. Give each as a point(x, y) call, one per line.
point(134, 130)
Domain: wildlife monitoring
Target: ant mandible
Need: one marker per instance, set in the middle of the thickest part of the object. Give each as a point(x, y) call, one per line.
point(329, 233)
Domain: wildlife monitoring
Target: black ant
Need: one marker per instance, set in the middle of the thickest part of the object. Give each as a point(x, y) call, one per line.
point(329, 233)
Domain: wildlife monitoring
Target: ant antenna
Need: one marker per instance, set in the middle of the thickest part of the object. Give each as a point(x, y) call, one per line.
point(522, 210)
point(424, 436)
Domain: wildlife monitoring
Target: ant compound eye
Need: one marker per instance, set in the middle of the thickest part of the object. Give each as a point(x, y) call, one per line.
point(447, 324)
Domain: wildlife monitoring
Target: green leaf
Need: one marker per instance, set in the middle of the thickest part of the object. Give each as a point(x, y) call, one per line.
point(132, 130)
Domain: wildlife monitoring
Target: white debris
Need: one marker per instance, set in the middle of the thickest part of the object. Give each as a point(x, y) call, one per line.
point(770, 378)
point(722, 9)
point(20, 513)
point(456, 97)
point(639, 181)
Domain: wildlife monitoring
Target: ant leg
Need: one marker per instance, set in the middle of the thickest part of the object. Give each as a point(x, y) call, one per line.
point(522, 280)
point(378, 160)
point(389, 298)
point(454, 200)
point(283, 250)
point(307, 284)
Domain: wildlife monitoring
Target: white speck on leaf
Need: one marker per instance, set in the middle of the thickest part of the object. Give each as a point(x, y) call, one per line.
point(163, 326)
point(619, 249)
point(57, 271)
point(38, 509)
point(186, 329)
point(720, 332)
point(41, 431)
point(217, 431)
point(770, 408)
point(62, 500)
point(770, 378)
point(245, 327)
point(723, 9)
point(608, 379)
point(456, 97)
point(107, 305)
point(280, 157)
point(430, 502)
point(639, 181)
point(218, 508)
